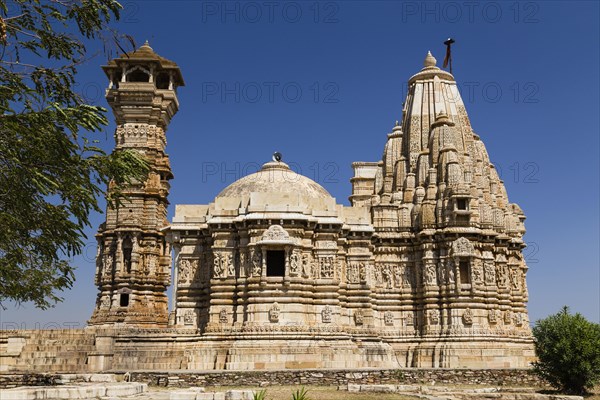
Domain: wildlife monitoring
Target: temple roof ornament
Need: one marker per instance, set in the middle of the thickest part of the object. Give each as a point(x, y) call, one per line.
point(276, 235)
point(430, 70)
point(430, 60)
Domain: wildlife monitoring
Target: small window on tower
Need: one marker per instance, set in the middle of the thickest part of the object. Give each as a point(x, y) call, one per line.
point(127, 247)
point(462, 204)
point(138, 76)
point(124, 300)
point(463, 269)
point(275, 263)
point(162, 81)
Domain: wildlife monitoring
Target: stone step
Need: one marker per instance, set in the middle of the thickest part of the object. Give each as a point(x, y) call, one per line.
point(47, 351)
point(54, 361)
point(56, 342)
point(75, 391)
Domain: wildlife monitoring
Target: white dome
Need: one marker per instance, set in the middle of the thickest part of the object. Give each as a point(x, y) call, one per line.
point(278, 179)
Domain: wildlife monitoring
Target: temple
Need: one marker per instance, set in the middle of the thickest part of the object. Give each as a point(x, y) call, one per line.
point(424, 268)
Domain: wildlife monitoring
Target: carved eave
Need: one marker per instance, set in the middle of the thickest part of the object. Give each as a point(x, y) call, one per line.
point(142, 102)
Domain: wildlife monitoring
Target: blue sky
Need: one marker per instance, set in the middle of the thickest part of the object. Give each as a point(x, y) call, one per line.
point(323, 82)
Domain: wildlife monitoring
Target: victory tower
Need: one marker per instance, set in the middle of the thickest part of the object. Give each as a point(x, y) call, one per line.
point(133, 260)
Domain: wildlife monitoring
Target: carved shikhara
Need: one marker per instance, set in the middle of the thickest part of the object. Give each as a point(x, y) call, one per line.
point(427, 259)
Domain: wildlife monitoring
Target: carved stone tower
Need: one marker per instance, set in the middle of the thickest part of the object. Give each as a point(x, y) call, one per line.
point(133, 260)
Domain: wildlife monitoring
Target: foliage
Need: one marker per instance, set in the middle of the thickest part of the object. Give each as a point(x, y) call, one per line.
point(399, 375)
point(568, 350)
point(51, 172)
point(261, 395)
point(300, 394)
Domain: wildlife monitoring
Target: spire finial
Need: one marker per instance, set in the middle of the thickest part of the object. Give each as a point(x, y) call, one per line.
point(147, 44)
point(430, 60)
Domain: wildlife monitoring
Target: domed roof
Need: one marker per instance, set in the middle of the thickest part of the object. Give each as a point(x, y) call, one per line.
point(276, 178)
point(144, 54)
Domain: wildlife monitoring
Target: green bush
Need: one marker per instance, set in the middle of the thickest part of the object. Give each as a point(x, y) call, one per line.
point(300, 394)
point(261, 395)
point(568, 351)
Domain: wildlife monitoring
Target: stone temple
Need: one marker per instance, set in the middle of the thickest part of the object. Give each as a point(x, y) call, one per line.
point(424, 268)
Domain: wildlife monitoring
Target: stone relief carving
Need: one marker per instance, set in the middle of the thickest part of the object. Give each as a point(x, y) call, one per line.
point(359, 317)
point(410, 319)
point(186, 268)
point(378, 276)
point(477, 273)
point(467, 317)
point(276, 233)
point(388, 318)
point(493, 316)
point(243, 263)
point(362, 272)
point(518, 319)
point(229, 265)
point(489, 273)
point(515, 278)
point(326, 315)
point(294, 263)
point(430, 274)
point(462, 247)
point(223, 316)
point(442, 273)
point(352, 276)
point(327, 267)
point(387, 276)
point(108, 263)
point(153, 182)
point(507, 317)
point(218, 266)
point(106, 303)
point(257, 263)
point(434, 317)
point(451, 271)
point(306, 266)
point(274, 313)
point(149, 263)
point(408, 277)
point(188, 317)
point(399, 276)
point(502, 276)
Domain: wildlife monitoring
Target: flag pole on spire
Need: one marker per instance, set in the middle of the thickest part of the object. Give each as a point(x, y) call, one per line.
point(448, 58)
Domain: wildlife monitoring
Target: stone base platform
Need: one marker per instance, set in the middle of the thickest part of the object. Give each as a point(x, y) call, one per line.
point(105, 350)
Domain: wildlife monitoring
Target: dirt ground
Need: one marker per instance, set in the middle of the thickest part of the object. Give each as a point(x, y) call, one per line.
point(331, 393)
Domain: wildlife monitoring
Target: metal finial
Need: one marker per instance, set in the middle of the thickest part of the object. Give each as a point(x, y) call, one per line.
point(277, 156)
point(448, 58)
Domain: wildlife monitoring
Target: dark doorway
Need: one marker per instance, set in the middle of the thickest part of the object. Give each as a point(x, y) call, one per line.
point(463, 270)
point(124, 300)
point(275, 263)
